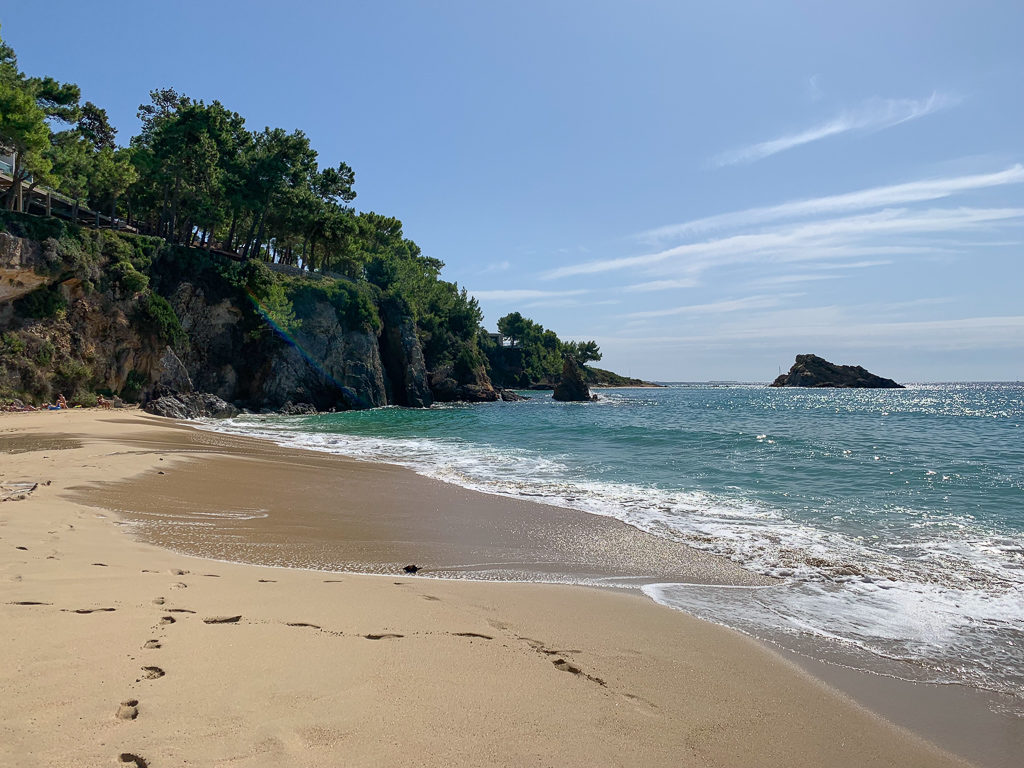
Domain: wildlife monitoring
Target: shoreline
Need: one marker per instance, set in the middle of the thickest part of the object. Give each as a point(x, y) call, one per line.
point(628, 657)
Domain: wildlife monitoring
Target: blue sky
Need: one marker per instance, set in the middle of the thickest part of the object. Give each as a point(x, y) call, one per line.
point(705, 189)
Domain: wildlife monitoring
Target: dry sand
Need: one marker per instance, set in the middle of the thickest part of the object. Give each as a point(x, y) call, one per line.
point(115, 651)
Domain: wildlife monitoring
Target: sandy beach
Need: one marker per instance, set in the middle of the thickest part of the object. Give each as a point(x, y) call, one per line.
point(120, 652)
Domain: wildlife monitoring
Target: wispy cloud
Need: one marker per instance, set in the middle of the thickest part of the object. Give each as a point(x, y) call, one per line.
point(840, 328)
point(745, 304)
point(809, 241)
point(874, 114)
point(861, 200)
point(500, 266)
point(522, 294)
point(661, 285)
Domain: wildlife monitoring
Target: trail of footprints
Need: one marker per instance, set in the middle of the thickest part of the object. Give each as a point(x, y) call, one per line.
point(128, 709)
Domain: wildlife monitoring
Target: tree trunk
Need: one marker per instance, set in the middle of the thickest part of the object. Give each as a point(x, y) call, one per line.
point(259, 235)
point(231, 231)
point(248, 238)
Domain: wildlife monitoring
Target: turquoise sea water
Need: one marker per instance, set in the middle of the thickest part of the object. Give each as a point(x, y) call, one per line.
point(893, 518)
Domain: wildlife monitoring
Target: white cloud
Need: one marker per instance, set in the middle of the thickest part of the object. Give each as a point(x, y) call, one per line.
point(500, 266)
point(874, 114)
point(811, 241)
point(661, 285)
point(718, 307)
point(864, 199)
point(522, 294)
point(836, 327)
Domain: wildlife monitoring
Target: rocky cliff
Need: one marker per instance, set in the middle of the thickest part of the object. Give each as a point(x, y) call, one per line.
point(814, 371)
point(95, 318)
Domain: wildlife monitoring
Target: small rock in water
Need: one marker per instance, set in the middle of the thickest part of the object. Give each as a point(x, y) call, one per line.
point(411, 568)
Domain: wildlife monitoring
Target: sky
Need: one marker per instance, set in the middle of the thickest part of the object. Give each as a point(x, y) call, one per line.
point(705, 189)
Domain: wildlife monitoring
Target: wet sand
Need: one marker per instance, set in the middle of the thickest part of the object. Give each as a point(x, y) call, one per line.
point(118, 651)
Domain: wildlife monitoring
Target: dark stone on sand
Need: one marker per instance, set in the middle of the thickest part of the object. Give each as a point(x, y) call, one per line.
point(411, 568)
point(814, 371)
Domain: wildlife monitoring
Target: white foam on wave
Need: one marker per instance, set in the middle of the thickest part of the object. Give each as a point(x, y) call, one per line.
point(950, 599)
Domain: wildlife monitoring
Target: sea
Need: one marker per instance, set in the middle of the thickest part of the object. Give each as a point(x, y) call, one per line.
point(892, 520)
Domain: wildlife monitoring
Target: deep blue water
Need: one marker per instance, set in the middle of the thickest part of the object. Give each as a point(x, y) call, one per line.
point(895, 518)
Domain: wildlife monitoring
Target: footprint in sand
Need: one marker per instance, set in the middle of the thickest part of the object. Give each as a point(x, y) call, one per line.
point(222, 619)
point(384, 636)
point(101, 565)
point(166, 619)
point(177, 572)
point(267, 581)
point(303, 624)
point(159, 601)
point(473, 634)
point(127, 758)
point(179, 610)
point(152, 644)
point(179, 585)
point(152, 673)
point(128, 710)
point(89, 610)
point(28, 602)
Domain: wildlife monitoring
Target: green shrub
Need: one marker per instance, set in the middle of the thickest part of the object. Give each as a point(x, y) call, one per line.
point(72, 374)
point(41, 303)
point(156, 315)
point(44, 355)
point(11, 345)
point(128, 280)
point(134, 385)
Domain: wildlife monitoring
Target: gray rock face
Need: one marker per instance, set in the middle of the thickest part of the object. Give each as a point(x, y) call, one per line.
point(298, 409)
point(571, 387)
point(475, 388)
point(172, 377)
point(213, 328)
point(402, 357)
point(814, 371)
point(329, 366)
point(19, 259)
point(191, 405)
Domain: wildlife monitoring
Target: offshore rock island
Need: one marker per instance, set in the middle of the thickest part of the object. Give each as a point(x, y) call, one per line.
point(814, 371)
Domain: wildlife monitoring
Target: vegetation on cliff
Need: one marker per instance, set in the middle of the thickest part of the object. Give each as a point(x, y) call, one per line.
point(218, 218)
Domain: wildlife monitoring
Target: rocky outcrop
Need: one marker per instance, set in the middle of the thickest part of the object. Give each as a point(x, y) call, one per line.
point(20, 259)
point(87, 332)
point(172, 378)
point(473, 386)
point(402, 356)
point(192, 405)
point(814, 371)
point(508, 396)
point(298, 409)
point(571, 388)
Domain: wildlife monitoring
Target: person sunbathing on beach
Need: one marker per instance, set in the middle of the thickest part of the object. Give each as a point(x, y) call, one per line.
point(62, 403)
point(103, 403)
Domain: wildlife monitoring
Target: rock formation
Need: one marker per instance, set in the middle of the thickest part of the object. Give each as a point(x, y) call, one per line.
point(571, 387)
point(814, 371)
point(68, 325)
point(191, 406)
